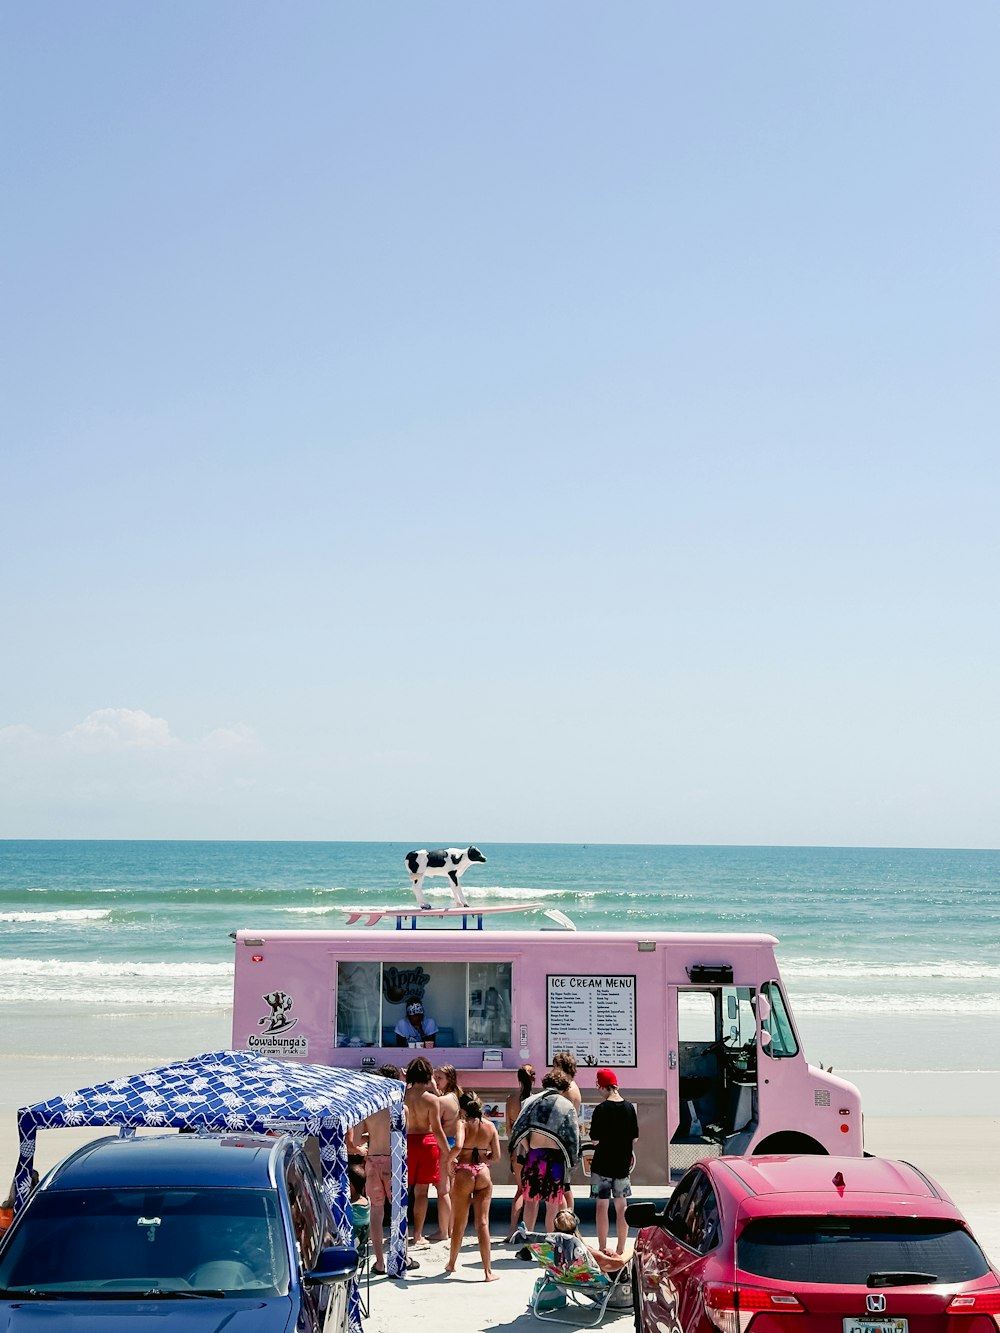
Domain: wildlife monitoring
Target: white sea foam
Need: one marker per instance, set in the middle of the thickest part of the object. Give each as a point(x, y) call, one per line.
point(495, 892)
point(69, 914)
point(882, 1002)
point(183, 985)
point(937, 969)
point(478, 893)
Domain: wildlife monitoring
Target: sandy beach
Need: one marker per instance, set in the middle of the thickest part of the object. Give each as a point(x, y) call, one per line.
point(963, 1155)
point(961, 1152)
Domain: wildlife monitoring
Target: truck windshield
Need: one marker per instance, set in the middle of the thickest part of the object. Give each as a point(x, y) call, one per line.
point(777, 1033)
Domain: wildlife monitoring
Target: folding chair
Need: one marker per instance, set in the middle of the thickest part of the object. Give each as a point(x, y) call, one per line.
point(589, 1292)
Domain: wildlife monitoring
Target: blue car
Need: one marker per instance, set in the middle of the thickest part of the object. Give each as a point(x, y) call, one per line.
point(208, 1232)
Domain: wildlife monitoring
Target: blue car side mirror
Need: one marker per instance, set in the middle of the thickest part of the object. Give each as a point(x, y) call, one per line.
point(334, 1264)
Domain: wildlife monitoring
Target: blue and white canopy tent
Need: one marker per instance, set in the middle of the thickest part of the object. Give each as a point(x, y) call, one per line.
point(237, 1091)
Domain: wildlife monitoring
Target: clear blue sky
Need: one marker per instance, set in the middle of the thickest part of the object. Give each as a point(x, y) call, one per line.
point(539, 421)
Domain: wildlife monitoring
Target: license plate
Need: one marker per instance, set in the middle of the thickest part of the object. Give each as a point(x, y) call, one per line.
point(877, 1325)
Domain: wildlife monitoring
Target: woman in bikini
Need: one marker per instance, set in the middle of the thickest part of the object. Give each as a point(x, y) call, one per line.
point(476, 1145)
point(446, 1086)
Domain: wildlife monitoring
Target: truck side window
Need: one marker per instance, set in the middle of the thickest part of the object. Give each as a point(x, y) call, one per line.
point(489, 1004)
point(470, 1003)
point(441, 987)
point(359, 1004)
point(777, 1025)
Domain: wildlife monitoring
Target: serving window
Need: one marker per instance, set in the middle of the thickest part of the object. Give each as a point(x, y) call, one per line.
point(469, 1004)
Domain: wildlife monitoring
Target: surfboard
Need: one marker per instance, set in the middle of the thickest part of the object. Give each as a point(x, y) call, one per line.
point(371, 916)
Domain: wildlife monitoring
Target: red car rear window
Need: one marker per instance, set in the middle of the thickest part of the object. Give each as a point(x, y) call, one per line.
point(846, 1251)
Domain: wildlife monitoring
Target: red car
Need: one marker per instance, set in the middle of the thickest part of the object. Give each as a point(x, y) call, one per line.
point(809, 1245)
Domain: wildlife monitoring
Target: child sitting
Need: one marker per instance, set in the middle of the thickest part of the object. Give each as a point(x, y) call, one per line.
point(361, 1209)
point(567, 1244)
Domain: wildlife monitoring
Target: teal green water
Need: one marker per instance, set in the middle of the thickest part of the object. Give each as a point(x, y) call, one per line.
point(866, 934)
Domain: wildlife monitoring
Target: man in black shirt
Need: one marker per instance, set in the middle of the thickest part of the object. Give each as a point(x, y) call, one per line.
point(614, 1127)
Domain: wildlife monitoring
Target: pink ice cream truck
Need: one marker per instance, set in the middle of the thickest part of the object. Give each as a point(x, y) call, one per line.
point(698, 1027)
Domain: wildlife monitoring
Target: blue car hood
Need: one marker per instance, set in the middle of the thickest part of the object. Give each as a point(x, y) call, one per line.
point(210, 1315)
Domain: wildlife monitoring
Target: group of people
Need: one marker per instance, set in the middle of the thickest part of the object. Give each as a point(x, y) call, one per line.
point(450, 1144)
point(544, 1146)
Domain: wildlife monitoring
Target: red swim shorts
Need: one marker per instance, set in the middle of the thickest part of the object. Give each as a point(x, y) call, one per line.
point(423, 1159)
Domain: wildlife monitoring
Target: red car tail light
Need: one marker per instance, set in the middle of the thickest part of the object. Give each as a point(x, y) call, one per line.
point(977, 1302)
point(731, 1309)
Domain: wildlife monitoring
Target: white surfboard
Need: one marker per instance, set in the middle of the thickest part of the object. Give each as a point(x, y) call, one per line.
point(371, 916)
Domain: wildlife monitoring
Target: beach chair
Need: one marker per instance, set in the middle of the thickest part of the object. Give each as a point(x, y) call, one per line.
point(571, 1270)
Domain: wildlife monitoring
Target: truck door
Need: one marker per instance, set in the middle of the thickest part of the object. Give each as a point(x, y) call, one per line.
point(712, 1074)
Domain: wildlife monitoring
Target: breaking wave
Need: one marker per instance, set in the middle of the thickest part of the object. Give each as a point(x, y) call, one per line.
point(179, 985)
point(68, 914)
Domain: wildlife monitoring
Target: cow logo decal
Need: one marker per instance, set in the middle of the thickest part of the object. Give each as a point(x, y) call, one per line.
point(278, 1020)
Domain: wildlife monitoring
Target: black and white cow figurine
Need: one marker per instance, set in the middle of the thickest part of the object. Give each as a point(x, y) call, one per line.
point(450, 861)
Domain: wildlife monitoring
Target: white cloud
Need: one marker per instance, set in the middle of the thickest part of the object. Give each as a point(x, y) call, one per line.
point(115, 727)
point(120, 772)
point(18, 732)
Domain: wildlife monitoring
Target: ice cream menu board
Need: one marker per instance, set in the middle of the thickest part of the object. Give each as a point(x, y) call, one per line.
point(593, 1016)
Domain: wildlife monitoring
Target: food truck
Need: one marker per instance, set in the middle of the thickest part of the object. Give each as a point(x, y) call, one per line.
point(698, 1027)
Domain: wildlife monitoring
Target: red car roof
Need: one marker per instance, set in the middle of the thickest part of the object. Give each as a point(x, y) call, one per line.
point(769, 1185)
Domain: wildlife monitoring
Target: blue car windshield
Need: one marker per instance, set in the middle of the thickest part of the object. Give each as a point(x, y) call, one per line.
point(119, 1240)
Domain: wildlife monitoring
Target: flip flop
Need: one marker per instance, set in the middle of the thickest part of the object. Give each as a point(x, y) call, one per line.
point(411, 1264)
point(380, 1272)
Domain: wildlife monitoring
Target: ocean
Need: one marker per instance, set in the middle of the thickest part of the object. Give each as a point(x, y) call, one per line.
point(121, 950)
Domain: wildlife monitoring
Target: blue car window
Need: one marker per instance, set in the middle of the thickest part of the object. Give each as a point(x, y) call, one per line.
point(306, 1210)
point(120, 1240)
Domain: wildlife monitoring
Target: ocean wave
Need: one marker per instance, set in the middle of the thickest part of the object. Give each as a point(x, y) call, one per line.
point(328, 909)
point(930, 969)
point(479, 891)
point(57, 890)
point(932, 1004)
point(494, 892)
point(47, 918)
point(174, 985)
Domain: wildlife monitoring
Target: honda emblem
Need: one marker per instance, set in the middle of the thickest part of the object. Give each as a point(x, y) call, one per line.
point(875, 1304)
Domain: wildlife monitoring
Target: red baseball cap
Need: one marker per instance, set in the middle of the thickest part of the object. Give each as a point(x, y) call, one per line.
point(607, 1078)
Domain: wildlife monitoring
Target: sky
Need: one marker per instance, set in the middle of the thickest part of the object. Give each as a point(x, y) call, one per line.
point(529, 422)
